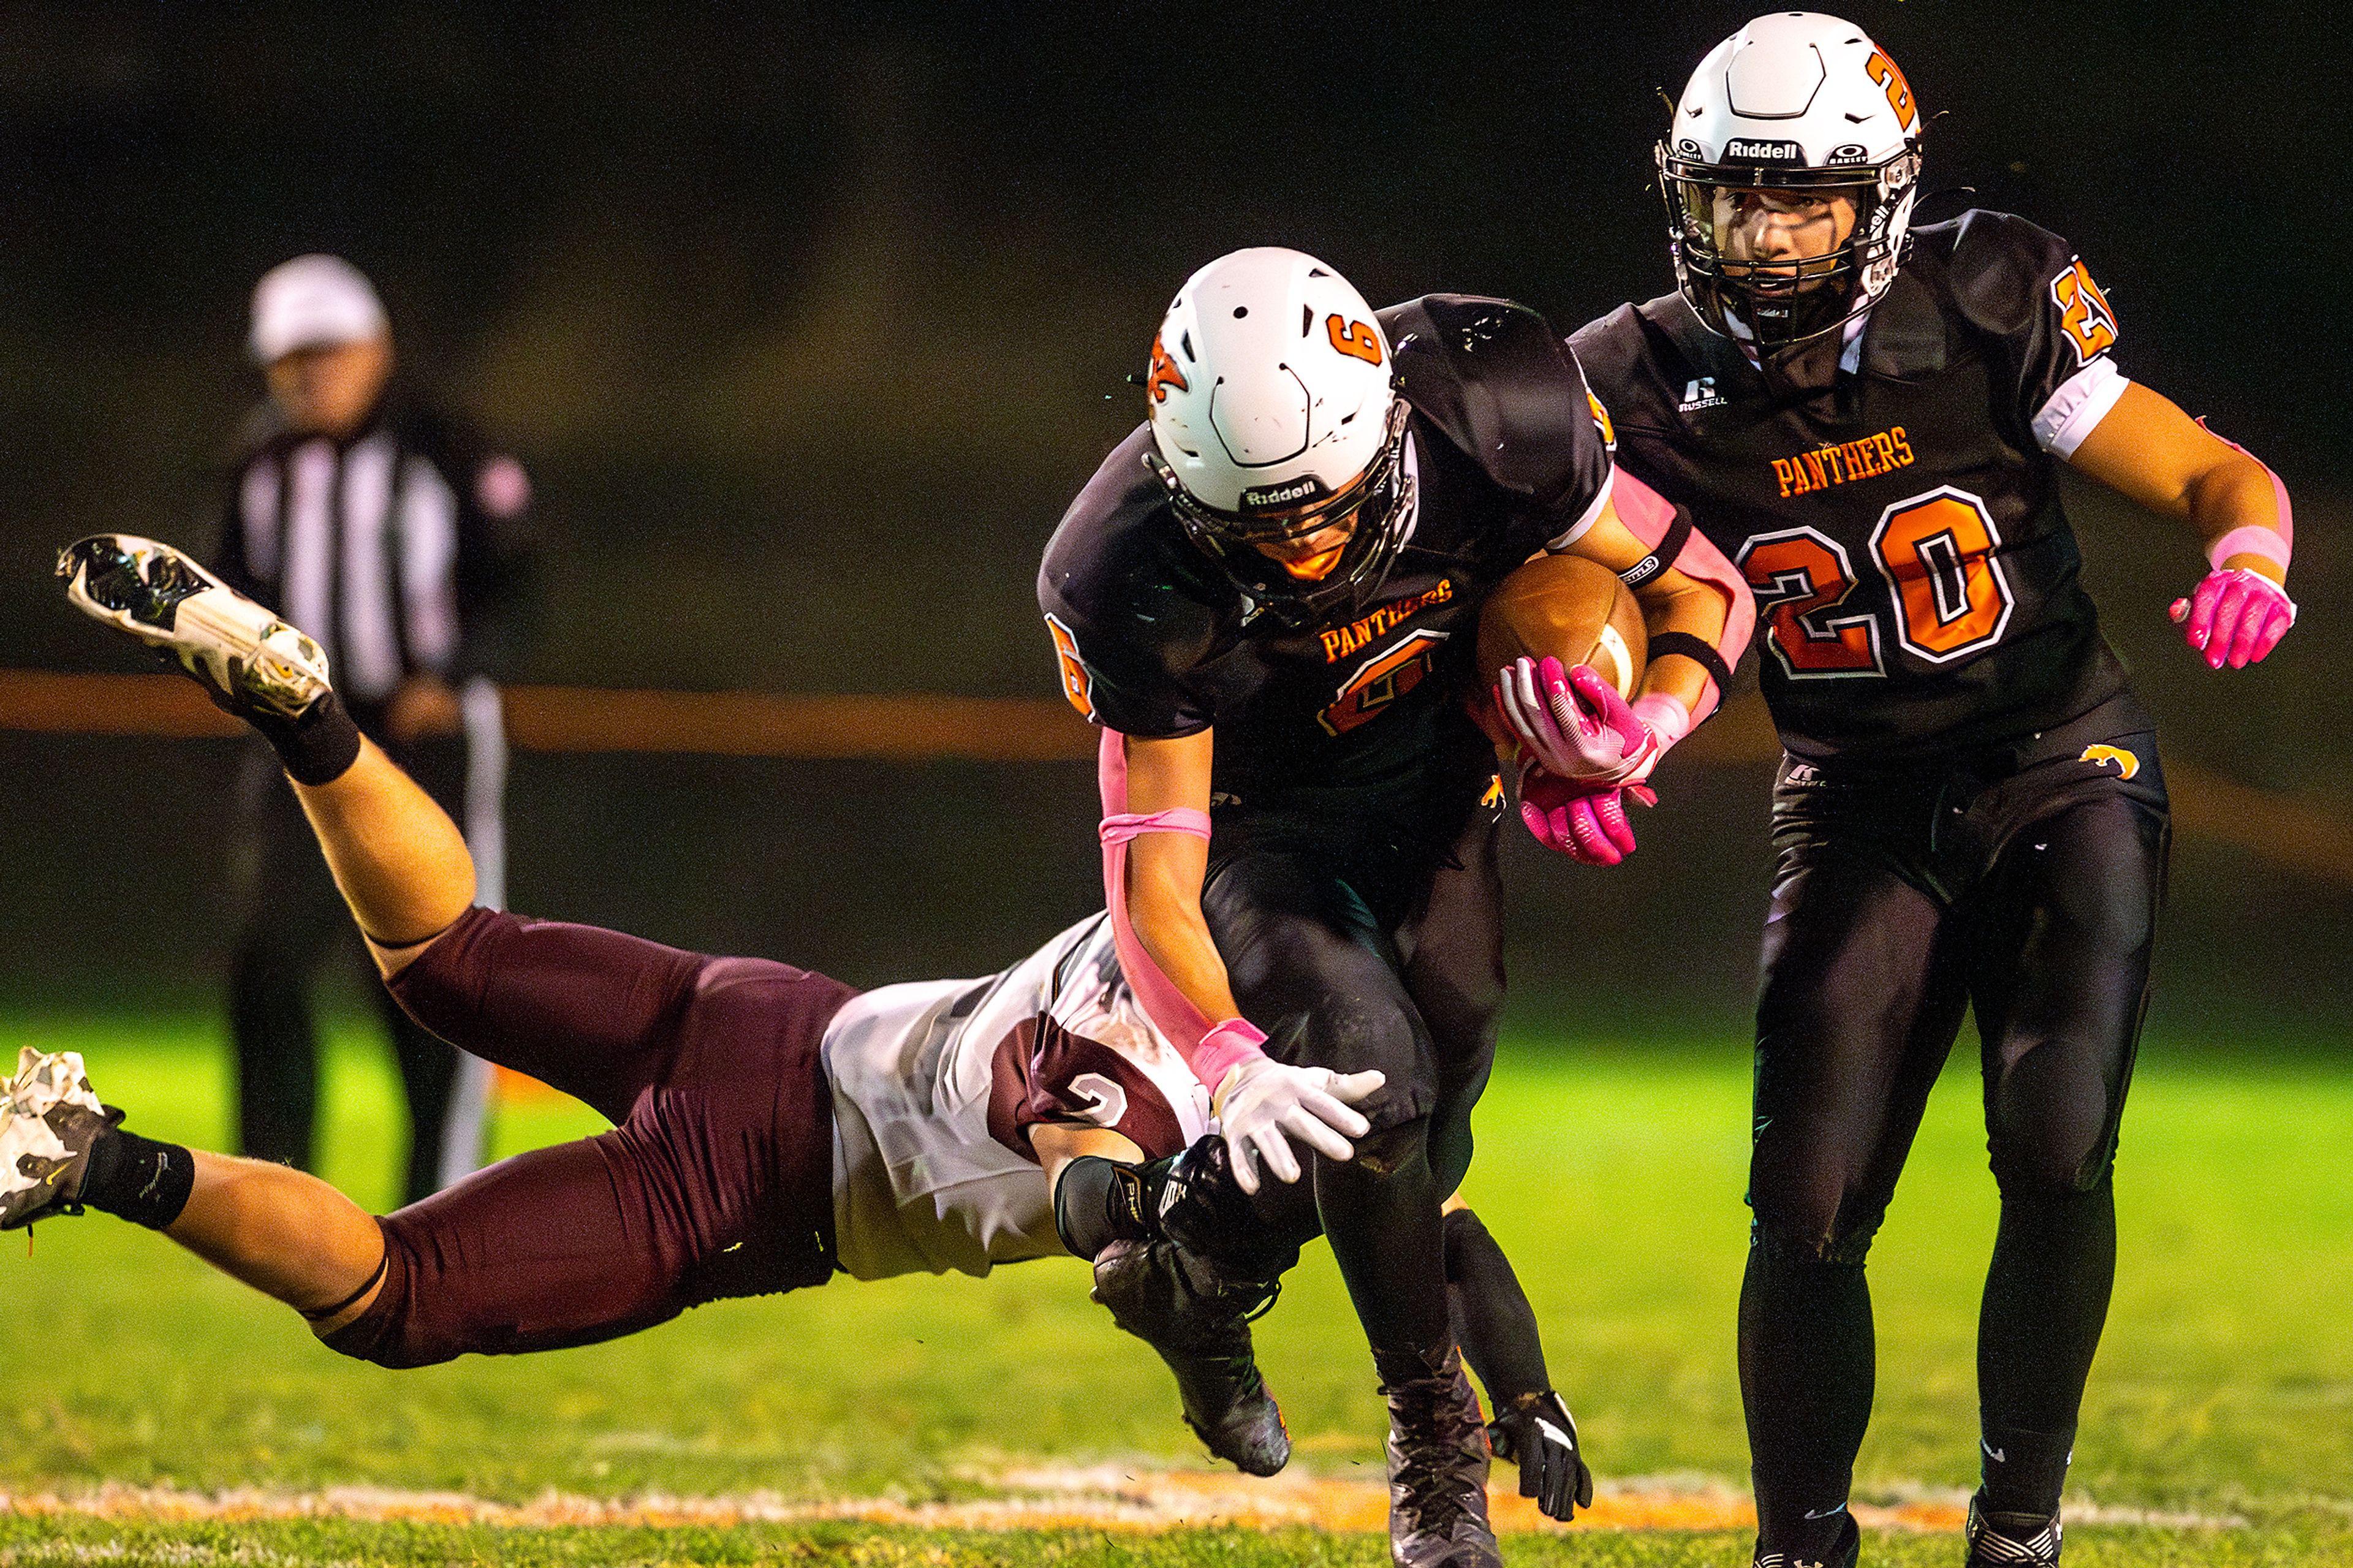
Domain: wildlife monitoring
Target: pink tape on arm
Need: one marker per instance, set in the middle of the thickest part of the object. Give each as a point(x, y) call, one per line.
point(1212, 1050)
point(1647, 515)
point(2252, 540)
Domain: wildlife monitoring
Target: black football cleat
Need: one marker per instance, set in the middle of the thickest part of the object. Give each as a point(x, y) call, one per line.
point(1197, 1315)
point(2010, 1540)
point(1437, 1466)
point(249, 662)
point(49, 1120)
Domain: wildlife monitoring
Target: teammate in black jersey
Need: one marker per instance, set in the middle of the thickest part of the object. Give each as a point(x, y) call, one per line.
point(1267, 598)
point(1870, 423)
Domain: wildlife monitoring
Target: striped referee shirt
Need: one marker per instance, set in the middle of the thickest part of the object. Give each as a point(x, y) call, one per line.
point(398, 548)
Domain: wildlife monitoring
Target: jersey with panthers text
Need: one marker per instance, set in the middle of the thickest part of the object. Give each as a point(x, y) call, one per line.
point(1901, 528)
point(937, 1084)
point(1358, 714)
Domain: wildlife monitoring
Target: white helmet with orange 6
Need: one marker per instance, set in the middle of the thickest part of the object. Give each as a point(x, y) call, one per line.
point(1804, 109)
point(1275, 419)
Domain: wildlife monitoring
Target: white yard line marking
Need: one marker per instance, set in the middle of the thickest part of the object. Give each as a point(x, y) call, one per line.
point(1040, 1496)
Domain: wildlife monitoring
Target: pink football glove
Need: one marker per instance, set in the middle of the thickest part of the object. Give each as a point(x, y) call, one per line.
point(1575, 724)
point(2235, 618)
point(1585, 821)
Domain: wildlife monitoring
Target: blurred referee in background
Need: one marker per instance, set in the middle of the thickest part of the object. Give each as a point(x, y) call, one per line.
point(379, 527)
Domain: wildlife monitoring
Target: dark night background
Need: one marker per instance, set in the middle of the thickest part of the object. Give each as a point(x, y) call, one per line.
point(806, 326)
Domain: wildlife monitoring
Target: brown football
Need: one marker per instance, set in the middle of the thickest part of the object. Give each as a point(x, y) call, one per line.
point(1574, 609)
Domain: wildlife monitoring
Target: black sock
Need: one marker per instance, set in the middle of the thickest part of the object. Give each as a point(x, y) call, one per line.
point(1096, 1203)
point(1807, 1356)
point(317, 748)
point(1490, 1313)
point(2046, 1300)
point(138, 1179)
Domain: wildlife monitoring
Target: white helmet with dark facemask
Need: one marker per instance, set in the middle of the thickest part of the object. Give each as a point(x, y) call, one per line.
point(1274, 416)
point(1798, 104)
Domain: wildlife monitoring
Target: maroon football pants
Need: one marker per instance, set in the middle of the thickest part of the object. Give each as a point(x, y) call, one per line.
point(715, 1181)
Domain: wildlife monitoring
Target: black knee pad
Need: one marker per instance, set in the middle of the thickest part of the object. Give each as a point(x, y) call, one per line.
point(2054, 1131)
point(1375, 1035)
point(1829, 1244)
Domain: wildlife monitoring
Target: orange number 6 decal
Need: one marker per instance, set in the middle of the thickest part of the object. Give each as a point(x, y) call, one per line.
point(1936, 554)
point(1882, 69)
point(1077, 684)
point(1355, 339)
point(1799, 575)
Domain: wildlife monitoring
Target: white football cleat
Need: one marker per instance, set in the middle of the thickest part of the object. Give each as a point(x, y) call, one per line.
point(249, 660)
point(50, 1119)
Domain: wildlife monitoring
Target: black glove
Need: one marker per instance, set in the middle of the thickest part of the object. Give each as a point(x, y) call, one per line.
point(1538, 1435)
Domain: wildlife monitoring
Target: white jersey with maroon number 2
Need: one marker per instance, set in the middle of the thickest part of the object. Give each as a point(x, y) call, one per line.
point(936, 1084)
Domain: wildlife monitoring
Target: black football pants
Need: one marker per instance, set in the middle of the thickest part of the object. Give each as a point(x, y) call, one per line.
point(291, 919)
point(1353, 957)
point(2030, 893)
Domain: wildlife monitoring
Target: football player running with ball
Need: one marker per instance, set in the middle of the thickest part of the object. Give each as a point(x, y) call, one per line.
point(1266, 597)
point(1869, 419)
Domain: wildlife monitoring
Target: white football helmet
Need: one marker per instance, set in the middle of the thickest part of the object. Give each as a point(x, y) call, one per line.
point(1795, 101)
point(1274, 416)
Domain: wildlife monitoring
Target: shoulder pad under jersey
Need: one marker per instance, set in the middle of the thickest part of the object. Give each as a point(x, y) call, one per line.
point(1634, 354)
point(1132, 606)
point(1996, 266)
point(1498, 382)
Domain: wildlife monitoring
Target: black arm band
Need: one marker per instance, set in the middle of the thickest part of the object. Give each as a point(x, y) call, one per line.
point(1670, 551)
point(1699, 651)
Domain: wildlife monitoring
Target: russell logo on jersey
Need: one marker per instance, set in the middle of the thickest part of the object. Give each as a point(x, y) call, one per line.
point(1700, 393)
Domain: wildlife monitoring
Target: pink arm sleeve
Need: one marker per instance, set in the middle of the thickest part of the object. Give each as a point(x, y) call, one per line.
point(1648, 516)
point(1210, 1049)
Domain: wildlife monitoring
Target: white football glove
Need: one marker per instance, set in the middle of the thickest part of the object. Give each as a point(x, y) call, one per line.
point(1262, 1105)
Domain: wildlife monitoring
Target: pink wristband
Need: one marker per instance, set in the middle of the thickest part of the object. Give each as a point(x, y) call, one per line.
point(1226, 1048)
point(1667, 719)
point(2253, 540)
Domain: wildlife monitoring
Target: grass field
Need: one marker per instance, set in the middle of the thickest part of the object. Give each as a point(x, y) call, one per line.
point(2224, 1390)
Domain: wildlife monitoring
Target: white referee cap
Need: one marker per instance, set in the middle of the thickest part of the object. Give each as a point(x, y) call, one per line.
point(313, 302)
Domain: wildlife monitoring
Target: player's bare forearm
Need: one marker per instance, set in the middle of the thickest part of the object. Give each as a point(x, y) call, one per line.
point(1674, 603)
point(1057, 1144)
point(2147, 450)
point(401, 864)
point(1697, 594)
point(1164, 872)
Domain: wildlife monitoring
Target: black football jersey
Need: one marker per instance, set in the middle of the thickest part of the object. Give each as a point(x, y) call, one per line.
point(1901, 527)
point(1361, 711)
